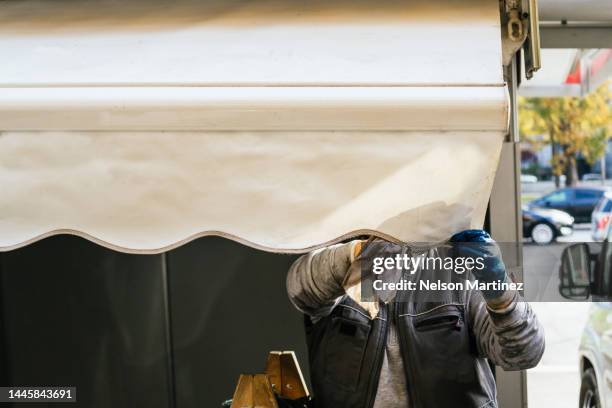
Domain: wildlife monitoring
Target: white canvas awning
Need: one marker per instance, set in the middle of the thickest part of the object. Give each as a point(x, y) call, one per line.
point(283, 125)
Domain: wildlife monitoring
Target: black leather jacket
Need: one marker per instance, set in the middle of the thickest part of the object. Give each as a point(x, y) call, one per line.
point(442, 367)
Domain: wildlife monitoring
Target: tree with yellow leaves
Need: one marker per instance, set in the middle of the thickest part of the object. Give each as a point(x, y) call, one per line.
point(570, 125)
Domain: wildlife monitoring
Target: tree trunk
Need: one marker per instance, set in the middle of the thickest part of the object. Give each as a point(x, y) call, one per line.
point(602, 166)
point(554, 149)
point(571, 171)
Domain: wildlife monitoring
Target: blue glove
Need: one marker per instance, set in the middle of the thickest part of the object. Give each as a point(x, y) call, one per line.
point(479, 244)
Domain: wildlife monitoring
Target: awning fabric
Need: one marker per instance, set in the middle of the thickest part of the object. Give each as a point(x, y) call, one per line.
point(284, 126)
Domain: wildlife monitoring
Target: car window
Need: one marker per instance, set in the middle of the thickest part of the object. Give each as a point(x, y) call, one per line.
point(603, 205)
point(588, 194)
point(557, 197)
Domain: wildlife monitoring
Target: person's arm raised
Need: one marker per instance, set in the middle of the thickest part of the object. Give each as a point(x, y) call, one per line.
point(505, 328)
point(315, 280)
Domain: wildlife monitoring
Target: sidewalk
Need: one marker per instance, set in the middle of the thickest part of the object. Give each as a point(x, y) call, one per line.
point(555, 382)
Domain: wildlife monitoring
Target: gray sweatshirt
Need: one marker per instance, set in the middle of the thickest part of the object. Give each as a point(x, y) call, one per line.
point(511, 338)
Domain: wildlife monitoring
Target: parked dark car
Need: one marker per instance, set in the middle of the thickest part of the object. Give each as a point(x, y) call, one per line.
point(579, 202)
point(543, 226)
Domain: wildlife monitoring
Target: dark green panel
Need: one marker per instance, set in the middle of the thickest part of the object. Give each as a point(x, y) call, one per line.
point(228, 309)
point(77, 314)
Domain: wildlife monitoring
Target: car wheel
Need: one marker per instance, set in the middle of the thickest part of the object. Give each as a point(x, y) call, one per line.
point(542, 234)
point(589, 396)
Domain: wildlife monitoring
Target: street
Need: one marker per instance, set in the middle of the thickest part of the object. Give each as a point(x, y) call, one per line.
point(530, 191)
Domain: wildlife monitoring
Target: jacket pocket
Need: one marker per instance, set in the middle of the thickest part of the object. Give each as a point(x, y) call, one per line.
point(448, 319)
point(442, 335)
point(344, 352)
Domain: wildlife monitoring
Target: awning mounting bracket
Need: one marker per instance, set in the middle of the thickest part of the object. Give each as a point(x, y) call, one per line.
point(520, 30)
